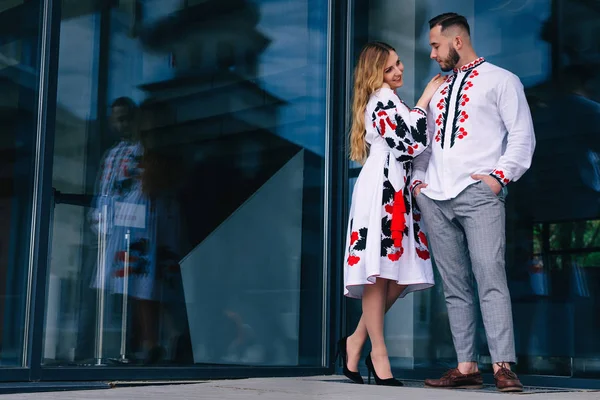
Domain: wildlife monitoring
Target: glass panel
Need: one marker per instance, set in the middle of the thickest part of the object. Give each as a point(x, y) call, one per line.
point(20, 23)
point(553, 244)
point(189, 176)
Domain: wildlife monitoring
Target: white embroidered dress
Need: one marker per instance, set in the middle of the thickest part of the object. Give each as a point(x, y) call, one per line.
point(384, 238)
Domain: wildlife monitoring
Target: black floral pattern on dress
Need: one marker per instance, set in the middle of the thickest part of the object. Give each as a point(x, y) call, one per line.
point(358, 243)
point(405, 140)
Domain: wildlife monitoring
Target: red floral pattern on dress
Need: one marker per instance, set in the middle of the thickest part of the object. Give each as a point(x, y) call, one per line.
point(411, 150)
point(396, 255)
point(423, 254)
point(423, 238)
point(398, 135)
point(358, 241)
point(385, 122)
point(353, 260)
point(421, 244)
point(389, 247)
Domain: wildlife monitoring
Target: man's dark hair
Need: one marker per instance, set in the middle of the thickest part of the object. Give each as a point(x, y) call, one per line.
point(447, 20)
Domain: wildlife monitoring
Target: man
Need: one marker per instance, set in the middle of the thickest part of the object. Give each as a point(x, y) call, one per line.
point(482, 139)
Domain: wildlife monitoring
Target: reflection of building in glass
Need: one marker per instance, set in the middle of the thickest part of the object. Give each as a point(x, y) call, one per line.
point(223, 127)
point(18, 107)
point(558, 205)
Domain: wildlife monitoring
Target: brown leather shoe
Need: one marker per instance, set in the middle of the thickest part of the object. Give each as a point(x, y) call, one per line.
point(507, 381)
point(454, 379)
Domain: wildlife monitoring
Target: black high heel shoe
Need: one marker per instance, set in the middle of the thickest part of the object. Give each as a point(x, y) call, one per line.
point(343, 354)
point(378, 381)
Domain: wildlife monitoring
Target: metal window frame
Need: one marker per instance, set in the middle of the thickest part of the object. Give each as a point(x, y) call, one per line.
point(42, 201)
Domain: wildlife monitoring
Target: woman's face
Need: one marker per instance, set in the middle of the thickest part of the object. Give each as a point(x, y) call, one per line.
point(393, 71)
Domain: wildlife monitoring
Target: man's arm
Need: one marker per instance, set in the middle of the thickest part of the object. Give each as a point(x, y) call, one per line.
point(516, 116)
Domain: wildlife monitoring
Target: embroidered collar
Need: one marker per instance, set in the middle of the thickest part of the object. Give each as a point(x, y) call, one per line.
point(471, 65)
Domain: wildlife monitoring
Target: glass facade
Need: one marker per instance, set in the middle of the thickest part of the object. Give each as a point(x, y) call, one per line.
point(20, 81)
point(188, 166)
point(175, 185)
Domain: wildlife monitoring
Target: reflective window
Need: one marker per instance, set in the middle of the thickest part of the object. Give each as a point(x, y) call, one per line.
point(189, 177)
point(20, 23)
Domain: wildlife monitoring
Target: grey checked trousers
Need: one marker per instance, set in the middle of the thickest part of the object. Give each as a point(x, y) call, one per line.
point(467, 233)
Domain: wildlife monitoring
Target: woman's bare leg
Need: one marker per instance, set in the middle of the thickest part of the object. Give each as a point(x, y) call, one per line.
point(358, 338)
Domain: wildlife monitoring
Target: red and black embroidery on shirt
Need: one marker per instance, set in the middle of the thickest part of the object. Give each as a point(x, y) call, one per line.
point(443, 106)
point(500, 177)
point(461, 115)
point(473, 64)
point(462, 99)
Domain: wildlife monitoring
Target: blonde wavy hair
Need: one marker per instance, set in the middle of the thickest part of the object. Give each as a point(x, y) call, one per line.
point(368, 77)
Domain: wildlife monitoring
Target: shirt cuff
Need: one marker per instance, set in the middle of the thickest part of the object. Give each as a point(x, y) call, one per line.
point(419, 110)
point(414, 185)
point(500, 176)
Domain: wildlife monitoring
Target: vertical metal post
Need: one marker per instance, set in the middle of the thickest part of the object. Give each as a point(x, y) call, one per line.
point(102, 223)
point(125, 298)
point(42, 197)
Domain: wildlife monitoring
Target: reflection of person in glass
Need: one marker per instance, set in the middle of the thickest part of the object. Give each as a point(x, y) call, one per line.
point(125, 221)
point(482, 139)
point(161, 180)
point(386, 251)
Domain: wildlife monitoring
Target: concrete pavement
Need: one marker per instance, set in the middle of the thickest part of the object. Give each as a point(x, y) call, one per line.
point(305, 388)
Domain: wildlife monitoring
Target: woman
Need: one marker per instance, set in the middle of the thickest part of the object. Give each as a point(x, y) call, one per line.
point(386, 250)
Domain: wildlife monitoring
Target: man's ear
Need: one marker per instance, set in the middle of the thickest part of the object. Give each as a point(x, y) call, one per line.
point(458, 42)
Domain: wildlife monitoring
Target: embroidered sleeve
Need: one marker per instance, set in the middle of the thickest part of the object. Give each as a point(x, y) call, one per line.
point(407, 137)
point(421, 162)
point(516, 116)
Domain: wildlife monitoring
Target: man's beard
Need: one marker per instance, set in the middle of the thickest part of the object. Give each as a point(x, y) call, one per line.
point(450, 62)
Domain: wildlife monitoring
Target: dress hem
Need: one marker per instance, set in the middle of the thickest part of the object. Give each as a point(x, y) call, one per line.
point(411, 286)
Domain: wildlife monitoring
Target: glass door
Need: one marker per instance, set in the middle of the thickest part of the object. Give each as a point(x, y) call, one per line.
point(188, 170)
point(20, 49)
